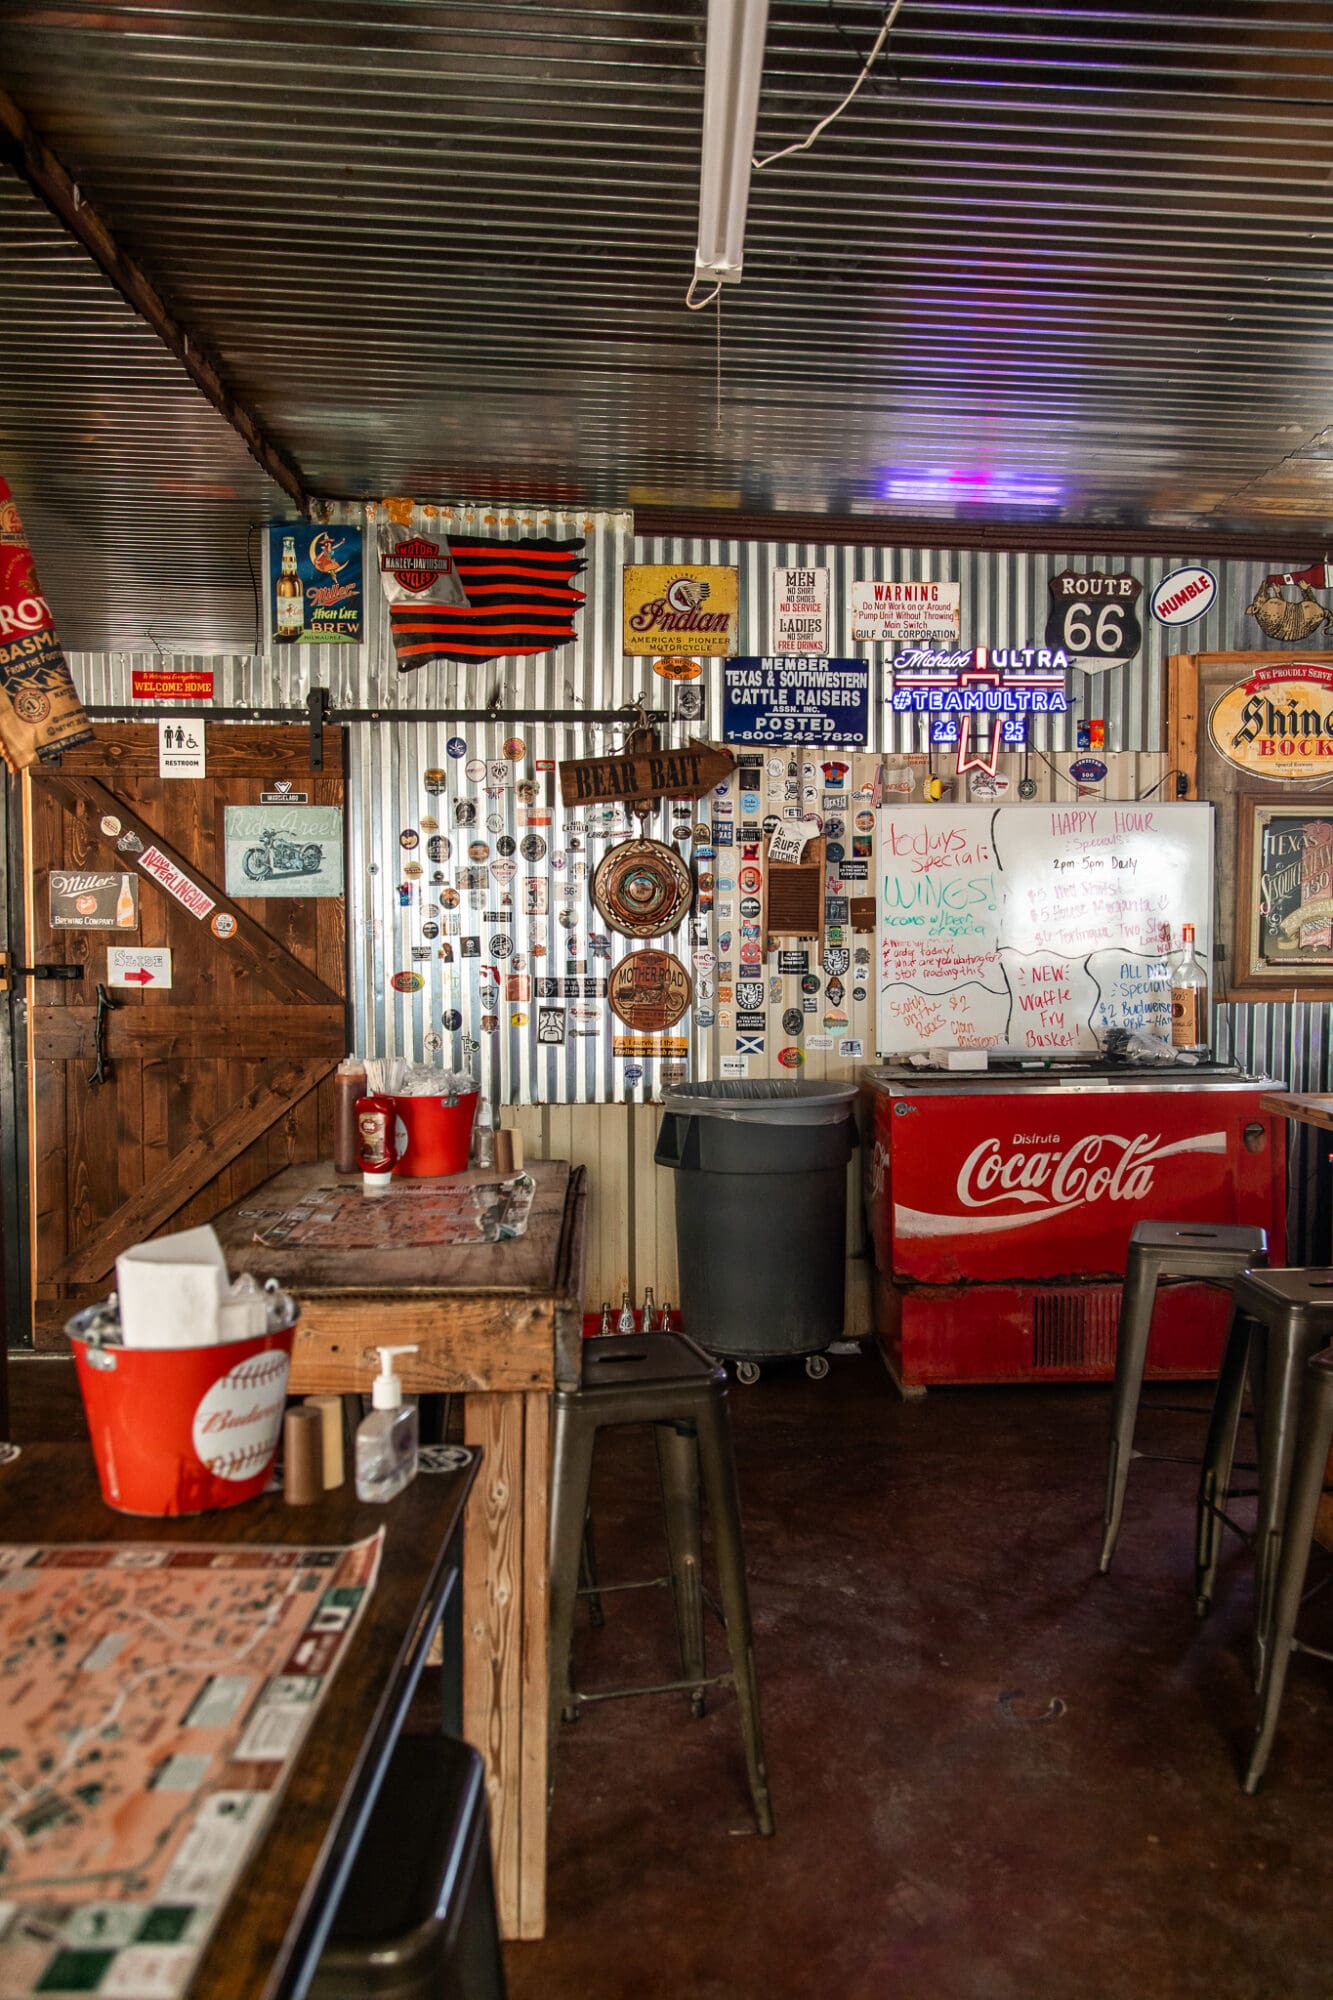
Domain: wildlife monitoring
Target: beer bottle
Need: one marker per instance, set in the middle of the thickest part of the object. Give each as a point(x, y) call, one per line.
point(289, 622)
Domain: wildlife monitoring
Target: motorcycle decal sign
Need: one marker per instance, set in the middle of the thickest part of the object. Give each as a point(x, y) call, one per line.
point(181, 750)
point(324, 564)
point(284, 851)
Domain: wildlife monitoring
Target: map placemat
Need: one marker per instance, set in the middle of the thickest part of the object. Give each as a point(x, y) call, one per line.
point(413, 1214)
point(152, 1700)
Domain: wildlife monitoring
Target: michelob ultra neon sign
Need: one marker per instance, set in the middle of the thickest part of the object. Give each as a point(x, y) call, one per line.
point(959, 690)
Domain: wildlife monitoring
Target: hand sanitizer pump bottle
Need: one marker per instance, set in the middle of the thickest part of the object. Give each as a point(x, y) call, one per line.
point(386, 1440)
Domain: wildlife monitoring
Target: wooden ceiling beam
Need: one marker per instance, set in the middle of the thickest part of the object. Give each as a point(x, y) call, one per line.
point(1199, 542)
point(51, 181)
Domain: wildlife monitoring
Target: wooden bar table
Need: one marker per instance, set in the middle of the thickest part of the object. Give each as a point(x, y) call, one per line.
point(275, 1918)
point(500, 1324)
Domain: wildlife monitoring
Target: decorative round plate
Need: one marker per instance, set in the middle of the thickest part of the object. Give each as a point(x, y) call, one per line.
point(649, 991)
point(642, 888)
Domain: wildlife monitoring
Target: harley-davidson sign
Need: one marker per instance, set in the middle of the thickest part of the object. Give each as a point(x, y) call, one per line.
point(414, 569)
point(1278, 724)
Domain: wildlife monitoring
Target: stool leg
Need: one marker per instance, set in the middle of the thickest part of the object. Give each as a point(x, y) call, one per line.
point(1306, 1488)
point(1131, 1348)
point(1218, 1454)
point(588, 1574)
point(678, 1470)
point(571, 1473)
point(718, 1467)
point(1285, 1359)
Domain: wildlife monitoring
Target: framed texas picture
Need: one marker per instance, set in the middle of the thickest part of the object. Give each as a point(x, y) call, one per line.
point(1284, 899)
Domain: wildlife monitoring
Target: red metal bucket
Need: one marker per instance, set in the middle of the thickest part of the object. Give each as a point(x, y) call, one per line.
point(438, 1135)
point(182, 1430)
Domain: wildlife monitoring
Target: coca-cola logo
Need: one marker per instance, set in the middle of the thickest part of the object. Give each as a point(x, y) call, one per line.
point(1101, 1166)
point(1037, 1178)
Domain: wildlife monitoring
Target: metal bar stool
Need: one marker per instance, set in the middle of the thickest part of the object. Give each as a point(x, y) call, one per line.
point(661, 1379)
point(1279, 1319)
point(1313, 1440)
point(1159, 1250)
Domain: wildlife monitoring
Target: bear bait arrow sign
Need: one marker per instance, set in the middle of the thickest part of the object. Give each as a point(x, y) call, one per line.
point(645, 774)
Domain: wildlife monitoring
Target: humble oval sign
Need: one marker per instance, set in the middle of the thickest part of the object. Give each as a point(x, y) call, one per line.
point(1278, 724)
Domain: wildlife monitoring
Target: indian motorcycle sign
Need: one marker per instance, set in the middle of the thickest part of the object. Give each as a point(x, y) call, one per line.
point(1278, 724)
point(674, 608)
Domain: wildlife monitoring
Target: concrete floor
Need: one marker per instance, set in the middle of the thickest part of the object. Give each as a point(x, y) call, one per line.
point(996, 1775)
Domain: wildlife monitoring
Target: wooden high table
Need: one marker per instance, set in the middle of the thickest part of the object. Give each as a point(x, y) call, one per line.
point(500, 1324)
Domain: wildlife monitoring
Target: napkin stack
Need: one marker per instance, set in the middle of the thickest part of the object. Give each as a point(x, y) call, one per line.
point(175, 1292)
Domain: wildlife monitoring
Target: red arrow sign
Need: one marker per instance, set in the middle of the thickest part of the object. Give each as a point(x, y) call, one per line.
point(141, 978)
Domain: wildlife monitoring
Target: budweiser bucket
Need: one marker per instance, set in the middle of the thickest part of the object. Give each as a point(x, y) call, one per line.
point(183, 1430)
point(435, 1136)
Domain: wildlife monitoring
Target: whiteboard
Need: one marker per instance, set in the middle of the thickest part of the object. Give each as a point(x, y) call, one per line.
point(1033, 927)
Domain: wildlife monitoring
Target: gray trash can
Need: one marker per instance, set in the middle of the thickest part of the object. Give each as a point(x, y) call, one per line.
point(761, 1215)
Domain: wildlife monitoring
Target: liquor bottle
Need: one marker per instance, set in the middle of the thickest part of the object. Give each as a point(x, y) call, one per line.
point(1189, 999)
point(125, 906)
point(625, 1322)
point(605, 1329)
point(648, 1321)
point(1159, 987)
point(664, 1324)
point(289, 623)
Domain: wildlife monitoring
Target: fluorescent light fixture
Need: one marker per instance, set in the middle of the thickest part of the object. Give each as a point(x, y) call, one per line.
point(736, 30)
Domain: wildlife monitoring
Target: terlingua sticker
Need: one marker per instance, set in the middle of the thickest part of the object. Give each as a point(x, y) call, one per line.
point(186, 892)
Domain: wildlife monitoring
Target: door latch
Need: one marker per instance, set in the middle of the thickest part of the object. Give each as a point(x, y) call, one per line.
point(8, 972)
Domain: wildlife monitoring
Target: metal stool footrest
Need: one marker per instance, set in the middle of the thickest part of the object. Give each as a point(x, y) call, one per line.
point(666, 1381)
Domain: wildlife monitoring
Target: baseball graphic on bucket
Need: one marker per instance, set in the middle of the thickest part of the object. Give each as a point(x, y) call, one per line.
point(238, 1421)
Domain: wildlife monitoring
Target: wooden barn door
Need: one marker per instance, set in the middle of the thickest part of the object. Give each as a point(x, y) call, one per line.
point(218, 1082)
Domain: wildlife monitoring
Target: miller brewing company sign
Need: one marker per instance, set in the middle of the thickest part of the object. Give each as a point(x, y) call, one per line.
point(681, 608)
point(1277, 724)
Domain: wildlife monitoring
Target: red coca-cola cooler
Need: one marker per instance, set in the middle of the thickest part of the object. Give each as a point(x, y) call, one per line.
point(1000, 1207)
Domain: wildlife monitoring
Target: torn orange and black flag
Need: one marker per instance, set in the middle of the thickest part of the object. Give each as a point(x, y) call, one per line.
point(520, 599)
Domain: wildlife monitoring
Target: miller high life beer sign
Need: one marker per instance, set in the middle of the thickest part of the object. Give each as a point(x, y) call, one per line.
point(680, 608)
point(1002, 685)
point(1278, 724)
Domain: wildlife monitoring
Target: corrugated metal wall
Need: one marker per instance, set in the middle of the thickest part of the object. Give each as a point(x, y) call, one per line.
point(1004, 600)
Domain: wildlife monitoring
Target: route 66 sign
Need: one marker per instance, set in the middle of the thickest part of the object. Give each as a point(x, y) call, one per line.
point(1094, 619)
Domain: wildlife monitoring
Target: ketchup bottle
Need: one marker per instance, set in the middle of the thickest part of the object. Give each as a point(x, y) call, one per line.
point(376, 1142)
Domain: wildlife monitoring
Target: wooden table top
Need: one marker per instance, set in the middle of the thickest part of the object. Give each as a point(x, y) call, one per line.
point(1305, 1107)
point(279, 1905)
point(527, 1263)
point(485, 1317)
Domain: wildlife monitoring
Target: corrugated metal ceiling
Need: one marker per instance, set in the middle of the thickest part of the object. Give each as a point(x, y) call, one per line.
point(1054, 265)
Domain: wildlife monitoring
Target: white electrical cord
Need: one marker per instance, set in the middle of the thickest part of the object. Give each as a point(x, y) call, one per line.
point(824, 123)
